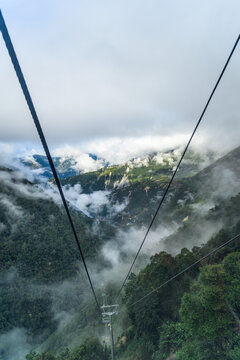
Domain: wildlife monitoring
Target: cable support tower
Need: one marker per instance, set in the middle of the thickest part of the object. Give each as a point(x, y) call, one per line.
point(107, 313)
point(21, 79)
point(186, 269)
point(179, 164)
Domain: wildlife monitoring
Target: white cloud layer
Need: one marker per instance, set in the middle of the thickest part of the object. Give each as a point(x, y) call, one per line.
point(119, 150)
point(92, 204)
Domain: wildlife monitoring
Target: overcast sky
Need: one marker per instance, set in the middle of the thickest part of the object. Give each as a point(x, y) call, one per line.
point(121, 71)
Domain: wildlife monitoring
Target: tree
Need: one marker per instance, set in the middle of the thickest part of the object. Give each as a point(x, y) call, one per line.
point(44, 356)
point(91, 349)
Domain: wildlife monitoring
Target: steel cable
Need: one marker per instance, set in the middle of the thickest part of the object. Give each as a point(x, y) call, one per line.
point(179, 163)
point(31, 107)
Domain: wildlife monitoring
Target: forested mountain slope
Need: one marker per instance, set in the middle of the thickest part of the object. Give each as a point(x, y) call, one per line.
point(39, 261)
point(43, 286)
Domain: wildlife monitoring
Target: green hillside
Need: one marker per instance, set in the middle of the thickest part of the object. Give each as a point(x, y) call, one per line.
point(37, 251)
point(140, 183)
point(44, 288)
point(194, 317)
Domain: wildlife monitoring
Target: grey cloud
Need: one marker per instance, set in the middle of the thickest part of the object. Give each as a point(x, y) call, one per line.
point(14, 182)
point(120, 69)
point(13, 345)
point(2, 227)
point(120, 251)
point(12, 209)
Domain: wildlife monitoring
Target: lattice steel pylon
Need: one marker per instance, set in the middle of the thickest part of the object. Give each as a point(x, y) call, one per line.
point(107, 312)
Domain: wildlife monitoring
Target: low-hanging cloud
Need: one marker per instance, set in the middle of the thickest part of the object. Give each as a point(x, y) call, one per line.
point(92, 204)
point(82, 162)
point(119, 150)
point(13, 210)
point(119, 252)
point(14, 345)
point(16, 183)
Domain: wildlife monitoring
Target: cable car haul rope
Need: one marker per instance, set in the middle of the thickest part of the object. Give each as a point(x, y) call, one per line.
point(31, 107)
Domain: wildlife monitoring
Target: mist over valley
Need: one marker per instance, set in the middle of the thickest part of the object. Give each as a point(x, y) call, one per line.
point(111, 208)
